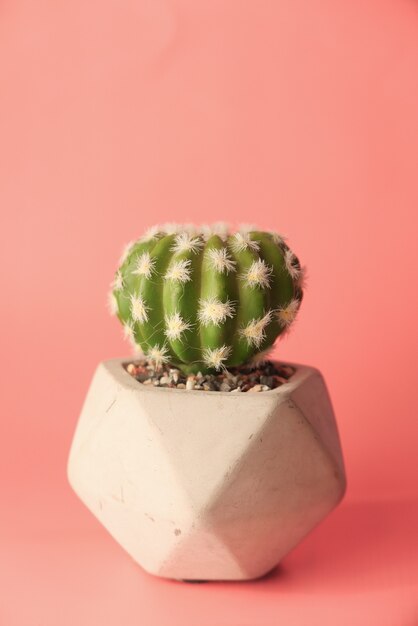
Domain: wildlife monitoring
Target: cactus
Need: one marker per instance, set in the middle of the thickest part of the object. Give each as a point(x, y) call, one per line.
point(204, 299)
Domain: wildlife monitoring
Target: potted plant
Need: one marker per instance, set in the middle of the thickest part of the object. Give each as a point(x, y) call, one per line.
point(203, 459)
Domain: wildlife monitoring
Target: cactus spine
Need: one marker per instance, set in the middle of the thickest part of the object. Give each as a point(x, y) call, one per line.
point(205, 299)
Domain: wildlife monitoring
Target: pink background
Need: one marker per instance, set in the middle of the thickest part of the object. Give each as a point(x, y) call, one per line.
point(300, 116)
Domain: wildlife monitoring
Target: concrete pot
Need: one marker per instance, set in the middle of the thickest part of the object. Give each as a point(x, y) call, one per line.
point(205, 485)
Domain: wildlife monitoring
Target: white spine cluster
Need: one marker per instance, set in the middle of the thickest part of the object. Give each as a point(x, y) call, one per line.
point(179, 271)
point(151, 233)
point(175, 326)
point(139, 310)
point(286, 315)
point(302, 278)
point(112, 303)
point(206, 231)
point(221, 229)
point(278, 239)
point(191, 229)
point(117, 284)
point(185, 242)
point(292, 265)
point(242, 241)
point(258, 274)
point(255, 331)
point(126, 251)
point(246, 228)
point(158, 355)
point(214, 311)
point(128, 332)
point(215, 358)
point(220, 260)
point(145, 265)
point(171, 228)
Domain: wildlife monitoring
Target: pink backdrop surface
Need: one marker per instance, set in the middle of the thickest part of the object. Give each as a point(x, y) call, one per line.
point(300, 116)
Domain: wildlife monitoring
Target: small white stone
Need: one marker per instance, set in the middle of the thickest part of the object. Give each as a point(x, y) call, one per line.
point(174, 375)
point(190, 383)
point(256, 388)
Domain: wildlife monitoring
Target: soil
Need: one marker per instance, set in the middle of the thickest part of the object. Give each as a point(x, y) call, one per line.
point(265, 377)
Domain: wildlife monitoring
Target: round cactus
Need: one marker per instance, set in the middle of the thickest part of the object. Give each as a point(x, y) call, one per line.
point(206, 299)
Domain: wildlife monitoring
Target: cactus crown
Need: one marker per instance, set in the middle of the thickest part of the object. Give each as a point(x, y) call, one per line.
point(206, 299)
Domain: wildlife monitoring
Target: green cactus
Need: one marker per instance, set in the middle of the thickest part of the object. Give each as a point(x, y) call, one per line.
point(204, 300)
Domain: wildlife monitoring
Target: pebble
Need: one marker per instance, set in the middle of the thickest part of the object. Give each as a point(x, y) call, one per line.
point(256, 388)
point(238, 380)
point(190, 384)
point(175, 374)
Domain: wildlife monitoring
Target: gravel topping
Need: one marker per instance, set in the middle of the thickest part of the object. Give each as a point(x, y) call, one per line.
point(235, 380)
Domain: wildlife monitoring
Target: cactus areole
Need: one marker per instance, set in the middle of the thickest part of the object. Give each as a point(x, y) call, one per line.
point(206, 299)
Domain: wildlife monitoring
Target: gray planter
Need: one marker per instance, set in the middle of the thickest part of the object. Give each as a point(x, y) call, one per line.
point(202, 485)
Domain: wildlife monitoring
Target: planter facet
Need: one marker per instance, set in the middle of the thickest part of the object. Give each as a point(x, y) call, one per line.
point(202, 485)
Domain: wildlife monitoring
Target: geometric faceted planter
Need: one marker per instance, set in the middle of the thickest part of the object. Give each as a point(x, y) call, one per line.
point(204, 485)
